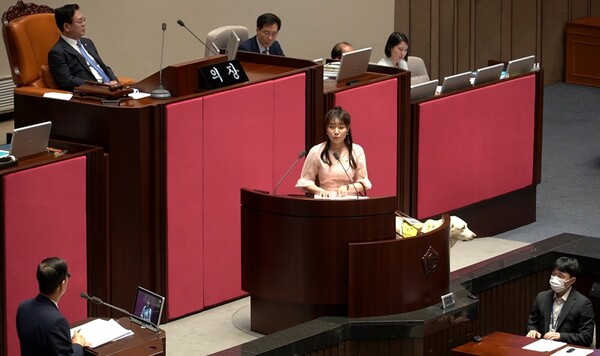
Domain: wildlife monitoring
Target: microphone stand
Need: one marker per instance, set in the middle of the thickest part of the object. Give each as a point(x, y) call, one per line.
point(182, 24)
point(300, 155)
point(161, 92)
point(144, 323)
point(337, 156)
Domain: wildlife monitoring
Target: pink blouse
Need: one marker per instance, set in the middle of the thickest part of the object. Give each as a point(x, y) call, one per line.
point(332, 177)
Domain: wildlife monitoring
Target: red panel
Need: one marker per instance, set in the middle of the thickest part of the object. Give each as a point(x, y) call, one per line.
point(475, 145)
point(238, 148)
point(289, 112)
point(44, 216)
point(185, 292)
point(374, 112)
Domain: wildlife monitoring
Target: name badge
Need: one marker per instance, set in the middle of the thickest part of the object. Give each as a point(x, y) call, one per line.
point(221, 74)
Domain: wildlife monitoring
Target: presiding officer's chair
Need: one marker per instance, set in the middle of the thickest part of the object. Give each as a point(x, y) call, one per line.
point(220, 36)
point(418, 71)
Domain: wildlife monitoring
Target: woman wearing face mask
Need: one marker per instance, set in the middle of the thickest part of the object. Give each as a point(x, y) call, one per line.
point(562, 313)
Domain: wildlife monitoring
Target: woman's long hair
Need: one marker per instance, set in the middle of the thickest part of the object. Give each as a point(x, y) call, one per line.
point(341, 114)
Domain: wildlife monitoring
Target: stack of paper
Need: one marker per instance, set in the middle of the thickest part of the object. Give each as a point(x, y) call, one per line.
point(99, 331)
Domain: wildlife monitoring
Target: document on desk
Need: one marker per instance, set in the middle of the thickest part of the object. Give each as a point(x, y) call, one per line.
point(347, 197)
point(572, 351)
point(99, 331)
point(543, 345)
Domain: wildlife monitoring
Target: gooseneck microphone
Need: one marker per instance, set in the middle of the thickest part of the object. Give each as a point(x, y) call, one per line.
point(337, 156)
point(161, 92)
point(99, 301)
point(184, 26)
point(300, 155)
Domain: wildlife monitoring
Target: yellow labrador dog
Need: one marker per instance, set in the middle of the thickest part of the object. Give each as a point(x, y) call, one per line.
point(458, 229)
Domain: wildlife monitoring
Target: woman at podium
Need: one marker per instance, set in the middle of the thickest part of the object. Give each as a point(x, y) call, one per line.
point(336, 167)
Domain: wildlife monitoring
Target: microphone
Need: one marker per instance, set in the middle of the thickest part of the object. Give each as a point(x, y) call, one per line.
point(184, 26)
point(300, 155)
point(161, 92)
point(337, 156)
point(143, 322)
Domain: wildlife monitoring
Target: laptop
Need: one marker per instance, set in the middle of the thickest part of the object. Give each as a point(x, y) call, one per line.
point(353, 64)
point(423, 90)
point(456, 82)
point(28, 140)
point(520, 65)
point(148, 306)
point(488, 74)
point(232, 46)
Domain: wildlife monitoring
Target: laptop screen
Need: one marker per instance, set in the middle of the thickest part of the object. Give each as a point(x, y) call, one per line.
point(148, 305)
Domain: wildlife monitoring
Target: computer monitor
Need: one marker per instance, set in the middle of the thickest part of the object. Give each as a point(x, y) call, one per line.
point(423, 90)
point(353, 64)
point(456, 82)
point(232, 46)
point(488, 74)
point(148, 306)
point(520, 65)
point(28, 140)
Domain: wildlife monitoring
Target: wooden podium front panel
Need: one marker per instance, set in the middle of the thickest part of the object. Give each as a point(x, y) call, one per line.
point(475, 145)
point(582, 63)
point(44, 215)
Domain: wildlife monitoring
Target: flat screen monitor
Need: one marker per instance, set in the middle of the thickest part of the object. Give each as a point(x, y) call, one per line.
point(148, 306)
point(353, 64)
point(28, 140)
point(520, 65)
point(232, 46)
point(488, 74)
point(423, 90)
point(456, 82)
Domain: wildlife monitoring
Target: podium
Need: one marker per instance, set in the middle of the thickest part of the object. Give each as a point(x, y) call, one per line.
point(303, 258)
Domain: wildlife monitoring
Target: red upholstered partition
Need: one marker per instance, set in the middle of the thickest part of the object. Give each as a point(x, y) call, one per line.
point(475, 145)
point(44, 216)
point(235, 139)
point(184, 170)
point(375, 128)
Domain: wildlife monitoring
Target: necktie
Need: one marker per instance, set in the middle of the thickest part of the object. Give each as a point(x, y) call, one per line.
point(92, 62)
point(265, 51)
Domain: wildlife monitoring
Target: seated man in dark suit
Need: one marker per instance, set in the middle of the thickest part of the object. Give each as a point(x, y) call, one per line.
point(42, 329)
point(267, 29)
point(562, 313)
point(74, 59)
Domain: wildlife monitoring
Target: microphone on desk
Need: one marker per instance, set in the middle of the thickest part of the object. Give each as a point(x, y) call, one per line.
point(184, 26)
point(300, 155)
point(161, 92)
point(99, 301)
point(337, 156)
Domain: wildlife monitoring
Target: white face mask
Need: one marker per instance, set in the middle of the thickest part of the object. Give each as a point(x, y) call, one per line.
point(557, 284)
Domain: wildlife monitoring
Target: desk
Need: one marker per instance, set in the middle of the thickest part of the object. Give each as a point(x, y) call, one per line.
point(499, 343)
point(582, 63)
point(143, 342)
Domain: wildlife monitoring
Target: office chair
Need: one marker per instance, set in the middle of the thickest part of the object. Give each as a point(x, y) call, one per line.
point(220, 36)
point(418, 71)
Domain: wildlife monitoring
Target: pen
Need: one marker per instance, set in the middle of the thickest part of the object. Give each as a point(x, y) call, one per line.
point(571, 349)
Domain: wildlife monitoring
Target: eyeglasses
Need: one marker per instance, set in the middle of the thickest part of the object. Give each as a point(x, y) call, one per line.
point(270, 34)
point(80, 21)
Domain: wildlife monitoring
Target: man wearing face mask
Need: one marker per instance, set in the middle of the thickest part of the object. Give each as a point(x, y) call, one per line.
point(562, 313)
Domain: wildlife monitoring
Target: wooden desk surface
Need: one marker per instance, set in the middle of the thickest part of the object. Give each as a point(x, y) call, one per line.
point(499, 343)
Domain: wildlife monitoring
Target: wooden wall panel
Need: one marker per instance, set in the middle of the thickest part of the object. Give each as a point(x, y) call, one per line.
point(459, 35)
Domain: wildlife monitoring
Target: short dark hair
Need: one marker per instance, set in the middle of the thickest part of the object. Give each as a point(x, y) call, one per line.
point(568, 265)
point(395, 39)
point(63, 15)
point(268, 19)
point(51, 272)
point(336, 51)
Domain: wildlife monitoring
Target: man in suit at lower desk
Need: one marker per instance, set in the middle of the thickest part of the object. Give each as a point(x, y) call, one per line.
point(42, 329)
point(562, 313)
point(265, 41)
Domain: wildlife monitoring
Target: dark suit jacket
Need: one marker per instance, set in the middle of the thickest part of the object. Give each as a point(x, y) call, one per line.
point(43, 330)
point(69, 69)
point(251, 45)
point(575, 321)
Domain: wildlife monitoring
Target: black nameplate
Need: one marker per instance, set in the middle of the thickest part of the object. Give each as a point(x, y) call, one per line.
point(221, 74)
